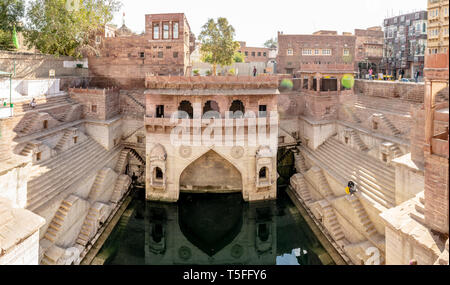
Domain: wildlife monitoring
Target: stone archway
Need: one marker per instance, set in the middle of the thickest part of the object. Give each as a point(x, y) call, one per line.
point(211, 173)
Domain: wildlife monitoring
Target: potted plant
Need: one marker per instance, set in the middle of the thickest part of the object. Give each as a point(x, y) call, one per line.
point(196, 72)
point(208, 73)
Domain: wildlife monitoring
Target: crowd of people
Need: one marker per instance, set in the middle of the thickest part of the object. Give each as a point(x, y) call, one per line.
point(394, 76)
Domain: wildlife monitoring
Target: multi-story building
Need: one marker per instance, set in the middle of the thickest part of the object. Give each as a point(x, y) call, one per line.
point(369, 50)
point(323, 50)
point(254, 54)
point(163, 49)
point(437, 26)
point(405, 41)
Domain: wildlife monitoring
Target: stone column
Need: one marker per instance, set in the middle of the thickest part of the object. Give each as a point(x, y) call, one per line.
point(429, 114)
point(338, 84)
point(318, 83)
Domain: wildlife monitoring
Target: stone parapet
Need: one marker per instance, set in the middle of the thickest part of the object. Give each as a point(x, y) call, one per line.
point(211, 82)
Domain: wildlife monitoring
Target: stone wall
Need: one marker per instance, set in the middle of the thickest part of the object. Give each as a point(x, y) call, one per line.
point(436, 192)
point(30, 65)
point(404, 90)
point(99, 104)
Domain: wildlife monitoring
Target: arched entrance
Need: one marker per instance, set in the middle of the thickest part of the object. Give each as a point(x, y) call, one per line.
point(211, 173)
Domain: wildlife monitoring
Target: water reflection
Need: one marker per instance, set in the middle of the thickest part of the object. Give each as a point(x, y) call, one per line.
point(212, 229)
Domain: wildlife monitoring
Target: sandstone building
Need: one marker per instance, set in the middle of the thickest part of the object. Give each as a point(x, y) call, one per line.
point(437, 40)
point(405, 43)
point(231, 162)
point(254, 54)
point(369, 50)
point(164, 49)
point(324, 49)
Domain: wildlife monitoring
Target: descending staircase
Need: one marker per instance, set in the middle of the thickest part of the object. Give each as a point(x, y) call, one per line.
point(323, 185)
point(388, 123)
point(373, 178)
point(56, 175)
point(62, 141)
point(28, 122)
point(362, 215)
point(121, 162)
point(90, 225)
point(331, 223)
point(134, 100)
point(73, 115)
point(27, 150)
point(117, 192)
point(361, 145)
point(53, 229)
point(98, 182)
point(302, 189)
point(300, 164)
point(351, 114)
point(136, 155)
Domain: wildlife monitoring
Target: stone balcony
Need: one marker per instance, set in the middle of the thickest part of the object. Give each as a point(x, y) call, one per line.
point(150, 121)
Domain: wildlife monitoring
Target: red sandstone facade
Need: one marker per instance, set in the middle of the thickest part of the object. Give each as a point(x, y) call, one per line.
point(322, 51)
point(254, 54)
point(369, 49)
point(164, 49)
point(436, 147)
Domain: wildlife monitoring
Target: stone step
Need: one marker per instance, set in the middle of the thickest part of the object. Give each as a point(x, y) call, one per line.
point(58, 175)
point(83, 170)
point(371, 194)
point(62, 157)
point(354, 167)
point(420, 217)
point(362, 158)
point(81, 242)
point(371, 179)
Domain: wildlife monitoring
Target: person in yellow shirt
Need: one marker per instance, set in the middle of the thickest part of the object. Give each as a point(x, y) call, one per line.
point(350, 189)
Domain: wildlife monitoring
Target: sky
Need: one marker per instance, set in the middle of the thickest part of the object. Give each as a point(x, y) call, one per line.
point(256, 21)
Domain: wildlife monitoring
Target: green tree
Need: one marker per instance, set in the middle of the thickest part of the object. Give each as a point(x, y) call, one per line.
point(218, 44)
point(11, 14)
point(272, 43)
point(53, 29)
point(238, 57)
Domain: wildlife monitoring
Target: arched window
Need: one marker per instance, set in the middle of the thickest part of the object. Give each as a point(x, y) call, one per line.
point(45, 124)
point(211, 109)
point(158, 173)
point(263, 173)
point(185, 110)
point(238, 109)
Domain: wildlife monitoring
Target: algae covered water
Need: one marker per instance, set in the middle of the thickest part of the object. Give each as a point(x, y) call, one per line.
point(212, 229)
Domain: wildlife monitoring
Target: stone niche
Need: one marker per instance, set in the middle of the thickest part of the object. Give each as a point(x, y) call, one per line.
point(264, 162)
point(158, 158)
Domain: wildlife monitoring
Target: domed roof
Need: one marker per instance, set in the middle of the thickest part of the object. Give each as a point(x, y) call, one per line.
point(124, 31)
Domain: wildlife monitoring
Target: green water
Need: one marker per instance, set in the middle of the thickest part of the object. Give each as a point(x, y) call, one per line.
point(212, 229)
